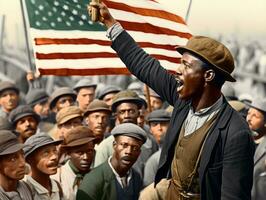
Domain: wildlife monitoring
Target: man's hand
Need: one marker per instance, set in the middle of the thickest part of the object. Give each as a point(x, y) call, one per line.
point(105, 16)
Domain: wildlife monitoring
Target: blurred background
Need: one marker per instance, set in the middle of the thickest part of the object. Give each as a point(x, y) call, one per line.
point(239, 24)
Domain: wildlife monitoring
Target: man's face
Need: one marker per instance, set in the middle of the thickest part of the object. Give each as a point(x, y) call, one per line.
point(64, 101)
point(45, 159)
point(9, 100)
point(82, 156)
point(190, 75)
point(108, 99)
point(85, 97)
point(70, 124)
point(98, 122)
point(127, 112)
point(12, 166)
point(42, 109)
point(156, 103)
point(142, 115)
point(26, 127)
point(255, 119)
point(126, 152)
point(158, 130)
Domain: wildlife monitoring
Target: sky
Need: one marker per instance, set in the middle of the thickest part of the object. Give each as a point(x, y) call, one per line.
point(244, 18)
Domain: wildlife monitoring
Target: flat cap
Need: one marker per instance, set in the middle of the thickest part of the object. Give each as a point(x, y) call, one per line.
point(107, 90)
point(160, 115)
point(126, 96)
point(7, 85)
point(36, 96)
point(20, 112)
point(78, 136)
point(59, 92)
point(84, 83)
point(36, 141)
point(68, 113)
point(97, 105)
point(153, 94)
point(130, 130)
point(259, 104)
point(9, 142)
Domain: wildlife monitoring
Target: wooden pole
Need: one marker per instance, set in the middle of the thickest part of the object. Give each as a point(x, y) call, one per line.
point(188, 11)
point(148, 97)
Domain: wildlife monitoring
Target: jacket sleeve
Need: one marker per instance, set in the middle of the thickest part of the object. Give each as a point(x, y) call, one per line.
point(146, 68)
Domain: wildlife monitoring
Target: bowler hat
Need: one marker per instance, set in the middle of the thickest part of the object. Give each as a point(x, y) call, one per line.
point(84, 83)
point(6, 85)
point(36, 141)
point(20, 112)
point(107, 90)
point(68, 113)
point(259, 104)
point(160, 115)
point(9, 143)
point(59, 92)
point(36, 96)
point(78, 136)
point(212, 52)
point(126, 96)
point(97, 105)
point(130, 130)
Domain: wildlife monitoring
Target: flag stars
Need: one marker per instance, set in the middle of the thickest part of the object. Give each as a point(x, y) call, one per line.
point(38, 23)
point(65, 7)
point(83, 17)
point(63, 13)
point(52, 24)
point(54, 9)
point(59, 19)
point(78, 6)
point(74, 12)
point(68, 23)
point(81, 23)
point(56, 3)
point(44, 18)
point(36, 12)
point(50, 13)
point(90, 22)
point(41, 7)
point(71, 18)
point(75, 1)
point(33, 1)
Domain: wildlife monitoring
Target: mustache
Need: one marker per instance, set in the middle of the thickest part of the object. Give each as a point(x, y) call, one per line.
point(128, 158)
point(30, 129)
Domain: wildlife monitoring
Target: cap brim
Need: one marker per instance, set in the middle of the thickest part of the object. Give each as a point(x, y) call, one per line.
point(69, 117)
point(12, 149)
point(227, 76)
point(137, 101)
point(159, 120)
point(78, 142)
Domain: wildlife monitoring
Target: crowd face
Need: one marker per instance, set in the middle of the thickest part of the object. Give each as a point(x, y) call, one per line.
point(63, 102)
point(26, 127)
point(190, 76)
point(9, 100)
point(82, 156)
point(98, 122)
point(158, 130)
point(70, 124)
point(45, 159)
point(255, 119)
point(127, 112)
point(42, 109)
point(156, 103)
point(85, 97)
point(12, 166)
point(126, 152)
point(108, 99)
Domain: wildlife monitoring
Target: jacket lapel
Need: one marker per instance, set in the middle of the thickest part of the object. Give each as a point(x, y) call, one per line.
point(261, 150)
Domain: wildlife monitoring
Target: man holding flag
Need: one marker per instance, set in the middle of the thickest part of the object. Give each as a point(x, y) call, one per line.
point(208, 149)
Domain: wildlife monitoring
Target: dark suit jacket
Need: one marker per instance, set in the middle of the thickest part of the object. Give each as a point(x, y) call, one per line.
point(100, 184)
point(226, 165)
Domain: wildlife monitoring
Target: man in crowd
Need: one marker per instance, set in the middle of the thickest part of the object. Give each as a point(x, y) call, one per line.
point(42, 156)
point(12, 168)
point(115, 179)
point(79, 146)
point(97, 118)
point(85, 93)
point(256, 119)
point(25, 122)
point(219, 164)
point(107, 93)
point(9, 98)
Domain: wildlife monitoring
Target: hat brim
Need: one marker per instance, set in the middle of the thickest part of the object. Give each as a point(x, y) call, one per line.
point(53, 102)
point(12, 149)
point(138, 137)
point(139, 102)
point(227, 76)
point(78, 142)
point(34, 115)
point(69, 117)
point(159, 120)
point(86, 113)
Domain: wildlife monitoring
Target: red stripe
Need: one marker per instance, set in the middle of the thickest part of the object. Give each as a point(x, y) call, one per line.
point(145, 11)
point(84, 72)
point(49, 56)
point(83, 41)
point(150, 28)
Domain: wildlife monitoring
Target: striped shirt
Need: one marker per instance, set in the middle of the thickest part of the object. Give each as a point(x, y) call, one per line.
point(23, 193)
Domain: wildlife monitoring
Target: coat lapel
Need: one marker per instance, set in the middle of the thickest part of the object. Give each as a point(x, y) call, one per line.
point(261, 150)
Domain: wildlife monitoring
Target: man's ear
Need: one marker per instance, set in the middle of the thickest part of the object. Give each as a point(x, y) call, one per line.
point(209, 75)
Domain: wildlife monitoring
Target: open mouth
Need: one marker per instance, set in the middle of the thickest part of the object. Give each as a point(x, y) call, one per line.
point(180, 84)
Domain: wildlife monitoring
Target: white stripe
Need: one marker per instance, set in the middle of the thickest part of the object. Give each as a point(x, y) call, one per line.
point(98, 35)
point(140, 4)
point(159, 22)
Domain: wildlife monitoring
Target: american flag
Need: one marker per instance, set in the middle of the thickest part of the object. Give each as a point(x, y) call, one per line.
point(66, 41)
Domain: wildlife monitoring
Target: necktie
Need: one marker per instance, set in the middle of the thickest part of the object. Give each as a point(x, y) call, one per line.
point(124, 181)
point(78, 177)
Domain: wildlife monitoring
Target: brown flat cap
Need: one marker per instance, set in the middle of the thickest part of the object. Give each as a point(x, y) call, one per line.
point(78, 136)
point(68, 113)
point(9, 143)
point(212, 52)
point(97, 105)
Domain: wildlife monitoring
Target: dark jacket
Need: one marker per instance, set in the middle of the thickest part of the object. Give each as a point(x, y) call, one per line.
point(226, 164)
point(100, 184)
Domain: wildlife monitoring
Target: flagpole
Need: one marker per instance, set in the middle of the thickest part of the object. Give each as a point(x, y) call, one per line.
point(32, 68)
point(148, 97)
point(188, 11)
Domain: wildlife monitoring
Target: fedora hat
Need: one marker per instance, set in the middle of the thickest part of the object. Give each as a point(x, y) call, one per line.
point(211, 52)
